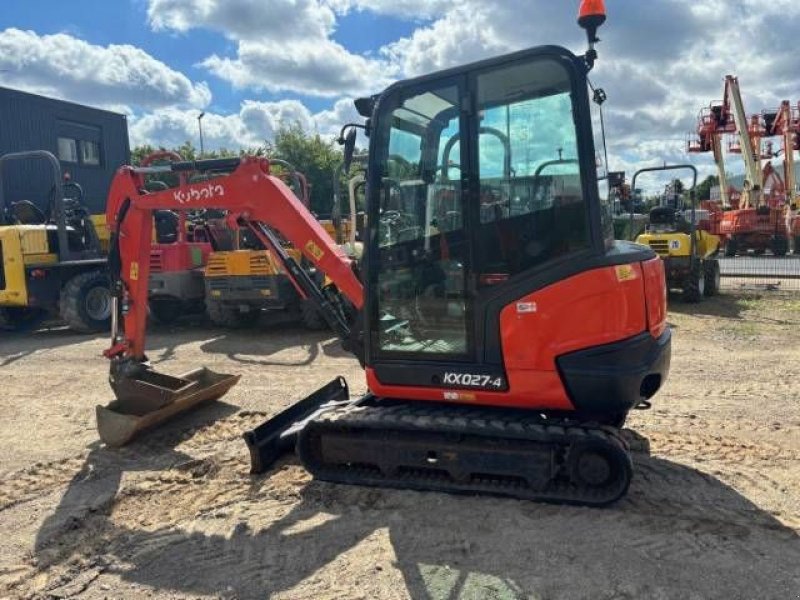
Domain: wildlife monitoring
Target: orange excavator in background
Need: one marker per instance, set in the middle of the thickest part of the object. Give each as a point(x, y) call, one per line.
point(504, 333)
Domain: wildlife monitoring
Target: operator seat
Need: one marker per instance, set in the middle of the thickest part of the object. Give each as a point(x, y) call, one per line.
point(667, 217)
point(166, 222)
point(25, 212)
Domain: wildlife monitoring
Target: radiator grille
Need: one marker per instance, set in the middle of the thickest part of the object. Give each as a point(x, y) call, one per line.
point(660, 246)
point(156, 262)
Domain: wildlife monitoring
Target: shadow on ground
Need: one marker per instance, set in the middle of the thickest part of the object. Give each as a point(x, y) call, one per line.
point(680, 533)
point(16, 345)
point(251, 346)
point(727, 306)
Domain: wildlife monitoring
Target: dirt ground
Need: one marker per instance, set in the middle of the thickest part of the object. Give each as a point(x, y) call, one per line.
point(714, 510)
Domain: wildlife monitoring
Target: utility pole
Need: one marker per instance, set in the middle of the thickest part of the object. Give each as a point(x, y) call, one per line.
point(200, 127)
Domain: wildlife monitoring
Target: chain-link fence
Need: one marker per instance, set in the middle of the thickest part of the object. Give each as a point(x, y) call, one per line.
point(761, 271)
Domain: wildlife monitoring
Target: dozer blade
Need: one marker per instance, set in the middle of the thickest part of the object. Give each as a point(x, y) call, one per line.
point(278, 435)
point(147, 398)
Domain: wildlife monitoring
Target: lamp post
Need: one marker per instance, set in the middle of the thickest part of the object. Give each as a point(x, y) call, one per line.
point(200, 127)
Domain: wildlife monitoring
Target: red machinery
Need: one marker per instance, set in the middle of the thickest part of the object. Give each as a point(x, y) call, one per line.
point(480, 377)
point(177, 256)
point(753, 224)
point(785, 122)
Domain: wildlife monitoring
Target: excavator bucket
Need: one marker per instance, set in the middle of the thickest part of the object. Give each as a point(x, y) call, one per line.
point(148, 398)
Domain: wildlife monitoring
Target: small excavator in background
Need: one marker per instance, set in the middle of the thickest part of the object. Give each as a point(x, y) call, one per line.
point(504, 333)
point(180, 250)
point(246, 279)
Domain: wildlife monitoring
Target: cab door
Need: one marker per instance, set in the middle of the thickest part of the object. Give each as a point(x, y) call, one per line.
point(420, 295)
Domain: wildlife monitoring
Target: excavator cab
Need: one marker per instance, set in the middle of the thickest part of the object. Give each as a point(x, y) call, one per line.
point(499, 311)
point(481, 180)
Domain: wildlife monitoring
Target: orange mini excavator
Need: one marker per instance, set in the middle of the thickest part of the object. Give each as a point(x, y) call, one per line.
point(504, 333)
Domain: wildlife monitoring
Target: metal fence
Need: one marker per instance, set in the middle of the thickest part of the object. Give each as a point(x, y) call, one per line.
point(766, 272)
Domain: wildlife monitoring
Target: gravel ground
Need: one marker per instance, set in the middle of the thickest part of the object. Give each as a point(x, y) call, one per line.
point(714, 510)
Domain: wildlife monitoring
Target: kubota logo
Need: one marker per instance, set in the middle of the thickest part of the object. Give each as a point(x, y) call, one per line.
point(198, 193)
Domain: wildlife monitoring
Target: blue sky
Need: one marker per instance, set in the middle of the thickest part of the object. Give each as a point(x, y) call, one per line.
point(125, 22)
point(254, 64)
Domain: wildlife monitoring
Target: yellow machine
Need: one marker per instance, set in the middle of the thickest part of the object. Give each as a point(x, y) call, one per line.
point(688, 252)
point(52, 265)
point(243, 283)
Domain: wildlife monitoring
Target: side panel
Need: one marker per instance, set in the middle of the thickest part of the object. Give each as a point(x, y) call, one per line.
point(590, 309)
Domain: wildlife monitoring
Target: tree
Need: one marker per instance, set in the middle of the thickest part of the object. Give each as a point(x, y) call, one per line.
point(704, 188)
point(314, 156)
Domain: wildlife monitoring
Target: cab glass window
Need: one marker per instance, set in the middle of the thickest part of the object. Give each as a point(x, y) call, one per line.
point(421, 298)
point(67, 150)
point(531, 204)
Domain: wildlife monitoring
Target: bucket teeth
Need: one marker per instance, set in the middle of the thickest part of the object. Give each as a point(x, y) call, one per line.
point(146, 398)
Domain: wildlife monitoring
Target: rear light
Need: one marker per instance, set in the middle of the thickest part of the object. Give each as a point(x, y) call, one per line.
point(38, 274)
point(655, 291)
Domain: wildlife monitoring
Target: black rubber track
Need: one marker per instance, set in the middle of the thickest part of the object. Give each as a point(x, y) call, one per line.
point(466, 450)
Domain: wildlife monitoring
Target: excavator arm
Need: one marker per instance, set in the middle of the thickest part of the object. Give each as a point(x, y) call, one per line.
point(252, 197)
point(248, 193)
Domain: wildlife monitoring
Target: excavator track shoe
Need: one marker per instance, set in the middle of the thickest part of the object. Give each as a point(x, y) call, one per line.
point(150, 398)
point(467, 450)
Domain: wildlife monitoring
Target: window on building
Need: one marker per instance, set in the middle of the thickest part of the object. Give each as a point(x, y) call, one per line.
point(90, 153)
point(67, 150)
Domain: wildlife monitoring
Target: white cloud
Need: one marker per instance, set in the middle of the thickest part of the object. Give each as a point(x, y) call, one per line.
point(282, 45)
point(255, 123)
point(119, 76)
point(245, 19)
point(406, 9)
point(459, 37)
point(318, 68)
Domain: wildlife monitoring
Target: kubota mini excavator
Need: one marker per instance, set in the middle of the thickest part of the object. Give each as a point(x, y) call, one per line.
point(504, 333)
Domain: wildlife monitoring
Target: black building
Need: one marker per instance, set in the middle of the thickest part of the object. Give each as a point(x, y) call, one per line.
point(90, 143)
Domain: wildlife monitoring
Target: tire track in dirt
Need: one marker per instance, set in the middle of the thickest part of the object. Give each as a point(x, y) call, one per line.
point(681, 514)
point(43, 478)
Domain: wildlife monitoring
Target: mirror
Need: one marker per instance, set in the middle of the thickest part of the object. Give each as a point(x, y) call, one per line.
point(349, 148)
point(365, 106)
